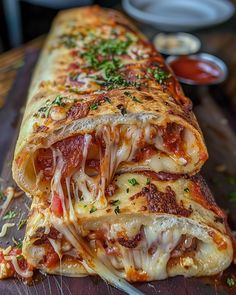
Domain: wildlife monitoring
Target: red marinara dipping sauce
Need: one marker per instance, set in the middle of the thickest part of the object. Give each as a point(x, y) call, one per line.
point(196, 69)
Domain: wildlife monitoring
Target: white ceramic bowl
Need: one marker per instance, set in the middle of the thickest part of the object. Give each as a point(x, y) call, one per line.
point(179, 15)
point(176, 43)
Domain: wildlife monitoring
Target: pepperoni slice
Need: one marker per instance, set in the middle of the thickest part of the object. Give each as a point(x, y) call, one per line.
point(71, 149)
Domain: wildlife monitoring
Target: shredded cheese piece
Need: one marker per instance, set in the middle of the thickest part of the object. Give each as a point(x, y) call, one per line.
point(10, 193)
point(7, 250)
point(4, 229)
point(56, 246)
point(23, 273)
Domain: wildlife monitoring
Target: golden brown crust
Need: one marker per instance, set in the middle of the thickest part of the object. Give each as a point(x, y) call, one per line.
point(140, 91)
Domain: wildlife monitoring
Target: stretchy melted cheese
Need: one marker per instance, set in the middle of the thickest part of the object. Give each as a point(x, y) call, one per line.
point(148, 232)
point(108, 148)
point(102, 101)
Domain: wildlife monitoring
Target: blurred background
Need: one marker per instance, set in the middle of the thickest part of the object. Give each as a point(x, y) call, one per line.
point(23, 20)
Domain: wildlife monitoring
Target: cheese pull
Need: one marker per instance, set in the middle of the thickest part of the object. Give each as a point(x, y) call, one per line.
point(150, 230)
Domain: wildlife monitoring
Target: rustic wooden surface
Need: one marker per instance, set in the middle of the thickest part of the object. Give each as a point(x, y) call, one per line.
point(214, 107)
point(10, 62)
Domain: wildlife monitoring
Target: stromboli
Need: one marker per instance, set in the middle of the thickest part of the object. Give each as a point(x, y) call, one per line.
point(108, 144)
point(136, 118)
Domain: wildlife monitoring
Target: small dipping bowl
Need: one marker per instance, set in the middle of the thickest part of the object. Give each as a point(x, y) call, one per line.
point(176, 44)
point(198, 69)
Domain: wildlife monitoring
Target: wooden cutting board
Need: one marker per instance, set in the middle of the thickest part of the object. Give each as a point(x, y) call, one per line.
point(218, 125)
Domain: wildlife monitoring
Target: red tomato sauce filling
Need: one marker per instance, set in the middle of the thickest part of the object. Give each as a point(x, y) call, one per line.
point(71, 149)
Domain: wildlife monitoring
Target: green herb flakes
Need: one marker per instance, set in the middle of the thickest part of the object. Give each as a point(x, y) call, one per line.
point(115, 202)
point(148, 181)
point(107, 99)
point(19, 257)
point(93, 209)
point(186, 190)
point(18, 243)
point(117, 210)
point(133, 181)
point(134, 98)
point(94, 106)
point(56, 102)
point(9, 215)
point(109, 64)
point(127, 93)
point(159, 74)
point(21, 224)
point(70, 40)
point(230, 282)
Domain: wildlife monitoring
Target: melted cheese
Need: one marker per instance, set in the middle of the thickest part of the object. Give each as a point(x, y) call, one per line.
point(162, 235)
point(9, 193)
point(4, 229)
point(23, 273)
point(120, 144)
point(56, 180)
point(138, 258)
point(89, 260)
point(56, 244)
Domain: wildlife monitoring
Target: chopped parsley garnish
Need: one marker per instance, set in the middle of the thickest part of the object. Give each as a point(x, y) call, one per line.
point(159, 74)
point(230, 282)
point(18, 243)
point(9, 215)
point(118, 80)
point(127, 190)
point(93, 209)
point(148, 181)
point(133, 181)
point(21, 223)
point(42, 109)
point(19, 257)
point(232, 196)
point(94, 106)
point(114, 46)
point(186, 190)
point(69, 40)
point(134, 98)
point(106, 48)
point(107, 99)
point(117, 210)
point(115, 202)
point(109, 64)
point(109, 67)
point(56, 102)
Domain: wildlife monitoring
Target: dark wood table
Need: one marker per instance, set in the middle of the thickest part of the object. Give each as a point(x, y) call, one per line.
point(215, 108)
